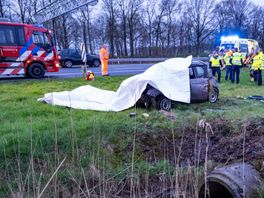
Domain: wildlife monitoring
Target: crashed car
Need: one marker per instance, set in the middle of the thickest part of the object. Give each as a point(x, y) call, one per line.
point(203, 87)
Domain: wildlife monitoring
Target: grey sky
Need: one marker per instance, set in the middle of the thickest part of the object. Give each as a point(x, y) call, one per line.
point(258, 2)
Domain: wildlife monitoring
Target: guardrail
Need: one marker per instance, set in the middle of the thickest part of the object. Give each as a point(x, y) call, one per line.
point(145, 60)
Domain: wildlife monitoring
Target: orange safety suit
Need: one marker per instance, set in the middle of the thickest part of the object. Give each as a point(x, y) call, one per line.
point(104, 57)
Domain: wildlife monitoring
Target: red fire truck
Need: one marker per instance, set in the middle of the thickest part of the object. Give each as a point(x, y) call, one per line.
point(26, 50)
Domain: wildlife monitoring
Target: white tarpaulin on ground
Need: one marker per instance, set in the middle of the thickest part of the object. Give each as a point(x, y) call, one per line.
point(171, 77)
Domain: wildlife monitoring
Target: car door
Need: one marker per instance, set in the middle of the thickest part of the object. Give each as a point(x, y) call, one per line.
point(198, 83)
point(76, 57)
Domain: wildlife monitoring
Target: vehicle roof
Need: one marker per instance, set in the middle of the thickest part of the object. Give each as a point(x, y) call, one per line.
point(23, 25)
point(198, 62)
point(240, 39)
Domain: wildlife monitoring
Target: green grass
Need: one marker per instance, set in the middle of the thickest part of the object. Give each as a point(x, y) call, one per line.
point(29, 128)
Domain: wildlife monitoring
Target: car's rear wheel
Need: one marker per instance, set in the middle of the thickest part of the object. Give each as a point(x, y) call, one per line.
point(35, 70)
point(163, 103)
point(96, 63)
point(213, 95)
point(68, 64)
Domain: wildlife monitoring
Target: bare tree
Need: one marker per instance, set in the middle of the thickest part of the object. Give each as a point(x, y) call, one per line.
point(133, 19)
point(201, 16)
point(159, 16)
point(1, 8)
point(148, 28)
point(110, 11)
point(150, 12)
point(123, 7)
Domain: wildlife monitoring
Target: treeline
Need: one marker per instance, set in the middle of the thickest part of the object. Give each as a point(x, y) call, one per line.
point(143, 28)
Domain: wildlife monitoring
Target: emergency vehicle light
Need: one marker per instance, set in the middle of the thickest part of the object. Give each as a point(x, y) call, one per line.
point(229, 38)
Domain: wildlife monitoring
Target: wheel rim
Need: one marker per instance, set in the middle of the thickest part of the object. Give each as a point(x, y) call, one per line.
point(37, 71)
point(96, 63)
point(68, 64)
point(165, 104)
point(213, 97)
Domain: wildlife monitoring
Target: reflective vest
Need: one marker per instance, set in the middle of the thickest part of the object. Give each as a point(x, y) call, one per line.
point(104, 54)
point(262, 60)
point(227, 60)
point(257, 62)
point(215, 62)
point(236, 60)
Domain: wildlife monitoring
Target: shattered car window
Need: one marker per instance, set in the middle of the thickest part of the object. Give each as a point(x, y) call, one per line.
point(200, 73)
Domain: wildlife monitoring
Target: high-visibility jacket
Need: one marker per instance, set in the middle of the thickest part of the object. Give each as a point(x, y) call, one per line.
point(262, 60)
point(257, 62)
point(227, 59)
point(237, 59)
point(215, 62)
point(104, 55)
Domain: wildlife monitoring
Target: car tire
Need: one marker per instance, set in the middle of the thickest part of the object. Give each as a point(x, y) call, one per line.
point(35, 70)
point(163, 103)
point(213, 95)
point(68, 64)
point(96, 63)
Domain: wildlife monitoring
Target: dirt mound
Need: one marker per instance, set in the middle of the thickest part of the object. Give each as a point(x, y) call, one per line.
point(187, 145)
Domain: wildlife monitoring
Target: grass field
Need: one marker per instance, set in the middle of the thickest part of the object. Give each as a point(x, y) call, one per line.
point(36, 137)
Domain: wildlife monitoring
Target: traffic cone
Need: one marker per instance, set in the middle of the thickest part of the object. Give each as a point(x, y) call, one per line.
point(90, 75)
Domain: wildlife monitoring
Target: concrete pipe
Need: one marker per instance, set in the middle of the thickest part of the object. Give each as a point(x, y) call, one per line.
point(227, 182)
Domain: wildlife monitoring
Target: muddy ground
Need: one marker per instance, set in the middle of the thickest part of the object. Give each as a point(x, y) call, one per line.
point(184, 148)
point(224, 145)
point(187, 147)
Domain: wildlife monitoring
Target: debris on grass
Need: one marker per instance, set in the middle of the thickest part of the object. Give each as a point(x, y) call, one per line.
point(132, 114)
point(255, 97)
point(169, 115)
point(145, 115)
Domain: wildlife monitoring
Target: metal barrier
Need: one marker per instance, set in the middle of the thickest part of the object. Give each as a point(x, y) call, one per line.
point(145, 60)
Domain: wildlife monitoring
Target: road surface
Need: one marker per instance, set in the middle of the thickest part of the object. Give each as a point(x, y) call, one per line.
point(113, 70)
point(76, 71)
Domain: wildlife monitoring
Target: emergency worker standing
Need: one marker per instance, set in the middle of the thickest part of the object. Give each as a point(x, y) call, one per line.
point(104, 57)
point(258, 66)
point(237, 62)
point(228, 64)
point(215, 64)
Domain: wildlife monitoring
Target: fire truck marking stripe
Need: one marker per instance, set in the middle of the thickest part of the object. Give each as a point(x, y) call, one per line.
point(35, 50)
point(24, 55)
point(14, 64)
point(49, 56)
point(15, 71)
point(40, 53)
point(22, 71)
point(25, 48)
point(8, 71)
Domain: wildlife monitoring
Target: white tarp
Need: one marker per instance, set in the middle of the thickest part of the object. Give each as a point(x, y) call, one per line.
point(171, 77)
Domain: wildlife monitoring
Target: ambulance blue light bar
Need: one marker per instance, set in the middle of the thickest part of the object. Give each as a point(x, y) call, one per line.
point(229, 38)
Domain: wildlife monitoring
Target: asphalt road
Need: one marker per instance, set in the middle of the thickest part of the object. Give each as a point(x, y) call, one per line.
point(113, 70)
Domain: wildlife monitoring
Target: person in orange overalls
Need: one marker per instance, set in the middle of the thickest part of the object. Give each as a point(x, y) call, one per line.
point(104, 57)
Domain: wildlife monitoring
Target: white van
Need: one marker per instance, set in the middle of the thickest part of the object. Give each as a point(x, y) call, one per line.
point(244, 45)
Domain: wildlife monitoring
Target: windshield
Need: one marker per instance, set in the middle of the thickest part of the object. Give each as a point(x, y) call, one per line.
point(41, 39)
point(244, 48)
point(52, 39)
point(227, 46)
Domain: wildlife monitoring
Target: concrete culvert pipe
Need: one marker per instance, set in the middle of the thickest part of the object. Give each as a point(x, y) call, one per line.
point(227, 182)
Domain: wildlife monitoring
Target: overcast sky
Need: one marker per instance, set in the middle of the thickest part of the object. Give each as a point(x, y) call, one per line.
point(258, 2)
